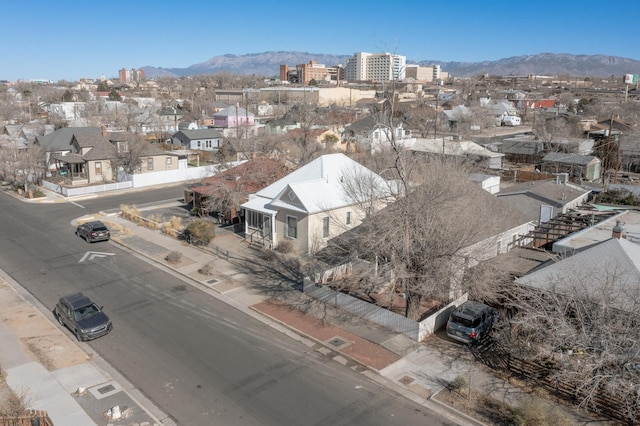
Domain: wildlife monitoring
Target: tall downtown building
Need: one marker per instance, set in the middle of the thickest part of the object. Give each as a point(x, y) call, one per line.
point(365, 66)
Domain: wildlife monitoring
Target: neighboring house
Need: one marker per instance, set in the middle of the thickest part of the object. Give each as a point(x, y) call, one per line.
point(169, 118)
point(199, 139)
point(232, 117)
point(501, 109)
point(375, 132)
point(148, 157)
point(59, 142)
point(542, 200)
point(583, 167)
point(531, 150)
point(23, 135)
point(232, 187)
point(92, 158)
point(623, 223)
point(523, 149)
point(607, 270)
point(281, 126)
point(482, 157)
point(89, 160)
point(310, 205)
point(457, 115)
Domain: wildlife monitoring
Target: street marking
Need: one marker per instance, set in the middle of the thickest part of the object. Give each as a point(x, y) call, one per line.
point(77, 205)
point(90, 255)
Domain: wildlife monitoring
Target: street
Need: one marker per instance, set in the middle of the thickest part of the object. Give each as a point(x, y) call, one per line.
point(200, 361)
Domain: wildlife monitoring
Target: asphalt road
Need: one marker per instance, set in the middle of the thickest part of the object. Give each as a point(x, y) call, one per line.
point(199, 360)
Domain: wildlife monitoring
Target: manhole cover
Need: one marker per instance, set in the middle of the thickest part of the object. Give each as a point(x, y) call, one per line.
point(106, 389)
point(406, 380)
point(337, 342)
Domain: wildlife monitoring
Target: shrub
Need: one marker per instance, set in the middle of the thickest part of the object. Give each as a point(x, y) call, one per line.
point(457, 384)
point(129, 212)
point(206, 269)
point(174, 257)
point(284, 246)
point(38, 193)
point(200, 231)
point(173, 227)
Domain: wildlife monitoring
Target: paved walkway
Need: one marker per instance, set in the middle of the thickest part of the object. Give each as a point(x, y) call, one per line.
point(418, 371)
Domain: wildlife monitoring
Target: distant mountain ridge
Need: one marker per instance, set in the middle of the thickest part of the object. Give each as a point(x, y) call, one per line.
point(268, 65)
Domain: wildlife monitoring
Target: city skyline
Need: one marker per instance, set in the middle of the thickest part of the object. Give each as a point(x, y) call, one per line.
point(77, 40)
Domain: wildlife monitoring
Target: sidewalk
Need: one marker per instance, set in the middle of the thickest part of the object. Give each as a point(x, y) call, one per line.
point(418, 371)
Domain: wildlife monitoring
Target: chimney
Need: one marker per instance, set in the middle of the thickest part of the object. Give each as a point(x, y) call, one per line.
point(617, 230)
point(104, 131)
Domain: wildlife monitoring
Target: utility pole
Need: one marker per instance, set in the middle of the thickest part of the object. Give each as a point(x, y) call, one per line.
point(435, 126)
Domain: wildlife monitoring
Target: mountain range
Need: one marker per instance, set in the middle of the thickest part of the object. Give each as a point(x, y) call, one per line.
point(268, 64)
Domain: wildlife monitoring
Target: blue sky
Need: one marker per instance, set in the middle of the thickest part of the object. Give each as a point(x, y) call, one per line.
point(71, 39)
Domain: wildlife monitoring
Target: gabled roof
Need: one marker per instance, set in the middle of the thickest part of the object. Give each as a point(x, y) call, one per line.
point(459, 148)
point(252, 176)
point(457, 113)
point(528, 197)
point(61, 138)
point(608, 271)
point(231, 112)
point(371, 122)
point(101, 148)
point(550, 190)
point(565, 158)
point(317, 186)
point(201, 134)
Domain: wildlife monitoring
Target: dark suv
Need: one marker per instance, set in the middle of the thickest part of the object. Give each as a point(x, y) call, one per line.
point(83, 317)
point(93, 231)
point(471, 321)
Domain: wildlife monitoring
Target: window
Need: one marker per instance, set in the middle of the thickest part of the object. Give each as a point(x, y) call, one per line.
point(292, 227)
point(348, 221)
point(121, 147)
point(98, 168)
point(149, 163)
point(254, 219)
point(325, 227)
point(169, 161)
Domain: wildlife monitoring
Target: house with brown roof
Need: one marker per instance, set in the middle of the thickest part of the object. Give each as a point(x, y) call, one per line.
point(221, 195)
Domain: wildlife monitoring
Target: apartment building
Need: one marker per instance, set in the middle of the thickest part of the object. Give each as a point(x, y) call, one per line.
point(428, 74)
point(131, 76)
point(305, 73)
point(365, 66)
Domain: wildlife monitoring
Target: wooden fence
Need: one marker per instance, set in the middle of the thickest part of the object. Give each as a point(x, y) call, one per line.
point(519, 176)
point(620, 406)
point(29, 418)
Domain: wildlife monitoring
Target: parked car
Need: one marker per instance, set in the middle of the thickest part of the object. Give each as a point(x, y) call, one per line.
point(83, 317)
point(470, 321)
point(93, 231)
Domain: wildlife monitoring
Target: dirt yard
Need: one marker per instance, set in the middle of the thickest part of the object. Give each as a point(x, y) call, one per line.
point(38, 336)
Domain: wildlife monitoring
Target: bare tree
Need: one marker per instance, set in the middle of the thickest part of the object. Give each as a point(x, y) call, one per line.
point(583, 321)
point(129, 151)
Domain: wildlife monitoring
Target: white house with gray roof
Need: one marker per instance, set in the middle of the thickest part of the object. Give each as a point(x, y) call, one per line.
point(310, 205)
point(199, 139)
